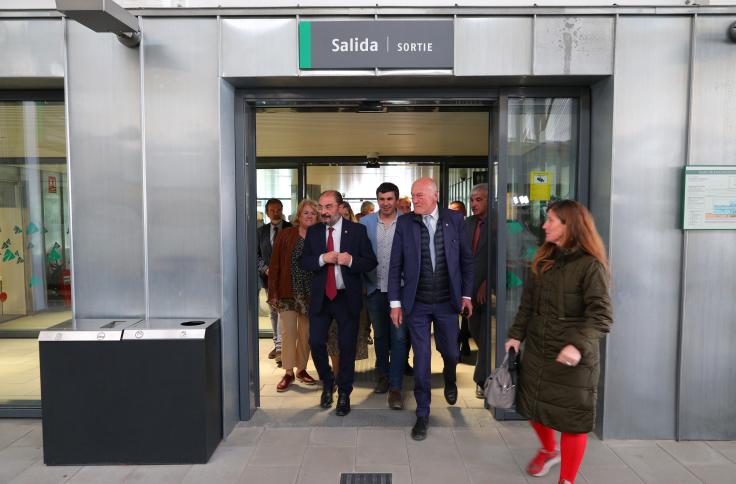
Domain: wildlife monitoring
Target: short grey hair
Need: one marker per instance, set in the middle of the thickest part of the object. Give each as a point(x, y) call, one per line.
point(480, 187)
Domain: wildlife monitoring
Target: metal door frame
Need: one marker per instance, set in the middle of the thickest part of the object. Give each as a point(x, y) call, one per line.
point(245, 139)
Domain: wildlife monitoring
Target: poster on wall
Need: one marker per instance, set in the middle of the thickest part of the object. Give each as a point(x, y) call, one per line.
point(709, 201)
point(539, 185)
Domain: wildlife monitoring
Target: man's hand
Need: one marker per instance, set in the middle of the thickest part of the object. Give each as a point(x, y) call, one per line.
point(481, 295)
point(330, 257)
point(466, 304)
point(265, 271)
point(344, 259)
point(569, 355)
point(397, 316)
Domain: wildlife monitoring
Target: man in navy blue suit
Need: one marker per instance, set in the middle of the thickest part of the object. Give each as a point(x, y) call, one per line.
point(337, 252)
point(431, 256)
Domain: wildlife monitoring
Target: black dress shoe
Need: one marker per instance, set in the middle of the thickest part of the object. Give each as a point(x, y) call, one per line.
point(343, 405)
point(325, 401)
point(450, 392)
point(382, 385)
point(479, 392)
point(419, 431)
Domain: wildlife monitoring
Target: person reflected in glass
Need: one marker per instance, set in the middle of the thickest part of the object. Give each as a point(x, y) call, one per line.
point(347, 212)
point(288, 293)
point(565, 310)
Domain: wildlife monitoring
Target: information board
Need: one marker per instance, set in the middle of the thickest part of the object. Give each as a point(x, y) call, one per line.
point(709, 198)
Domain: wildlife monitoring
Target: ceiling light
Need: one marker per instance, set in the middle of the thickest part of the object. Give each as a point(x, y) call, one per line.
point(103, 16)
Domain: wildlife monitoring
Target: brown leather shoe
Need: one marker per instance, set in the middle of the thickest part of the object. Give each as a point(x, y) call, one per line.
point(285, 382)
point(305, 378)
point(395, 400)
point(272, 354)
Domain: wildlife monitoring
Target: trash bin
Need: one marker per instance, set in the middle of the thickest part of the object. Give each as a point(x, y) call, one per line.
point(81, 363)
point(131, 392)
point(172, 408)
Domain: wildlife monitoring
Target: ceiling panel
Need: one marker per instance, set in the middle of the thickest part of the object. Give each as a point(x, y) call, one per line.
point(286, 133)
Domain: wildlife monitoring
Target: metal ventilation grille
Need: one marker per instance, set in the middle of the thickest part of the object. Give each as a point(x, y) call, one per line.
point(365, 478)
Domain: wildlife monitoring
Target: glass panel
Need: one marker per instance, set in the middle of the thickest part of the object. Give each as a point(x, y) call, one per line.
point(281, 183)
point(461, 181)
point(358, 183)
point(35, 276)
point(542, 167)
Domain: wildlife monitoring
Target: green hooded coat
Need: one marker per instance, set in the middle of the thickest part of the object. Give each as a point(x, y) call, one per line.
point(568, 304)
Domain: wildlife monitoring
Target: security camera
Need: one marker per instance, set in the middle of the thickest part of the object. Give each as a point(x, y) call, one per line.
point(372, 161)
point(732, 32)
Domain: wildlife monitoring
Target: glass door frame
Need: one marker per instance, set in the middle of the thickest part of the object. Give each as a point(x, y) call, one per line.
point(497, 99)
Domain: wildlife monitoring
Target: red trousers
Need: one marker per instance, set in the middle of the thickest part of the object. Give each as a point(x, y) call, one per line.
point(572, 449)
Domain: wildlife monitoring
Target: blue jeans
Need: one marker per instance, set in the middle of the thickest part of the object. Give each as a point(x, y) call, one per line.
point(391, 343)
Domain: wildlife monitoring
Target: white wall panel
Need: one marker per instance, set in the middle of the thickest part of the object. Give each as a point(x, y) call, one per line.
point(573, 45)
point(259, 47)
point(649, 139)
point(32, 48)
point(106, 175)
point(709, 315)
point(499, 46)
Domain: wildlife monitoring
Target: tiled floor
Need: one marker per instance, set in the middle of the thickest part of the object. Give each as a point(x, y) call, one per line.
point(291, 440)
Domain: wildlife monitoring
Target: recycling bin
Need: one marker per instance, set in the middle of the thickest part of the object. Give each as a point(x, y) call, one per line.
point(172, 408)
point(131, 391)
point(82, 362)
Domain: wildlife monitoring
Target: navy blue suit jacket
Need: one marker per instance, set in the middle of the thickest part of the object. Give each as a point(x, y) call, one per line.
point(353, 240)
point(406, 257)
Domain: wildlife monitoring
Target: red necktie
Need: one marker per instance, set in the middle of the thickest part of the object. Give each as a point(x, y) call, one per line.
point(330, 285)
point(476, 236)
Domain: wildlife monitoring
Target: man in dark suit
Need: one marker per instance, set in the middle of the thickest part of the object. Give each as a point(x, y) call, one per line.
point(338, 253)
point(266, 235)
point(431, 254)
point(476, 232)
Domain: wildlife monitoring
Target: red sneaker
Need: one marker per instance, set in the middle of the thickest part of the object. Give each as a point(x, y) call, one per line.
point(543, 462)
point(305, 378)
point(285, 382)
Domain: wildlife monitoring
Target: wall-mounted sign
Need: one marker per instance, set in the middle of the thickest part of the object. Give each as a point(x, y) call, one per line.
point(709, 198)
point(539, 185)
point(367, 44)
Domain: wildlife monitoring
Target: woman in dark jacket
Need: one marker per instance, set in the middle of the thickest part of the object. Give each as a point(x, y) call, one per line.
point(288, 292)
point(565, 310)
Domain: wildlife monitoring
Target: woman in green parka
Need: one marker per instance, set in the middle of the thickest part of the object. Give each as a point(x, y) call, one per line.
point(565, 310)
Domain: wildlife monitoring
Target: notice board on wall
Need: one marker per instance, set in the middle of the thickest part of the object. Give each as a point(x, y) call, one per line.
point(709, 199)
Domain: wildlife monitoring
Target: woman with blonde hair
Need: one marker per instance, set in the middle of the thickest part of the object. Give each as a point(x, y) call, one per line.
point(347, 211)
point(288, 292)
point(565, 310)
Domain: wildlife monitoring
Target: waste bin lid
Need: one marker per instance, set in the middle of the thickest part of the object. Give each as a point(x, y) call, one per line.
point(174, 328)
point(77, 329)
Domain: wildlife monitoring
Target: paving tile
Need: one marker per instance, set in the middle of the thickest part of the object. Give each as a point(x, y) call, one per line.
point(158, 474)
point(97, 474)
point(483, 448)
point(334, 436)
point(225, 467)
point(269, 475)
point(399, 474)
point(276, 443)
point(13, 429)
point(433, 471)
point(689, 453)
point(39, 473)
point(609, 474)
point(325, 464)
point(381, 447)
point(453, 417)
point(243, 437)
point(716, 473)
point(726, 449)
point(34, 439)
point(492, 474)
point(651, 463)
point(14, 460)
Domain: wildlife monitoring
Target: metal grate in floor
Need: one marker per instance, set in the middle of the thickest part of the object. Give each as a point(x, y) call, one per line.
point(365, 478)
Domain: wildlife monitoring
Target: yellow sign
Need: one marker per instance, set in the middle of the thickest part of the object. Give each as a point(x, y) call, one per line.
point(539, 185)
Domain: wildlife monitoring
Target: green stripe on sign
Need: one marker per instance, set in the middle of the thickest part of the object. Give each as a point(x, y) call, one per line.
point(305, 44)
